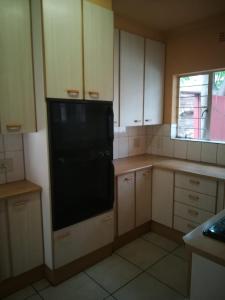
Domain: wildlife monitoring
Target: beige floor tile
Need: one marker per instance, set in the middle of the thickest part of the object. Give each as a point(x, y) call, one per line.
point(144, 287)
point(41, 284)
point(182, 252)
point(34, 297)
point(160, 241)
point(22, 294)
point(79, 287)
point(113, 272)
point(172, 271)
point(141, 253)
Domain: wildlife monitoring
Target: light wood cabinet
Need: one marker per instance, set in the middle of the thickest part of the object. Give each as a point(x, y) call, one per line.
point(154, 82)
point(126, 202)
point(17, 109)
point(63, 48)
point(131, 79)
point(25, 232)
point(98, 52)
point(4, 244)
point(162, 196)
point(116, 78)
point(143, 196)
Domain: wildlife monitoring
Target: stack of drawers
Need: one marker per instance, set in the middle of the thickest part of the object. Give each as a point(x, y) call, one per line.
point(194, 201)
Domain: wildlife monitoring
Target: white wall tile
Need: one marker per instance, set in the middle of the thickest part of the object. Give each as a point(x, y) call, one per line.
point(221, 154)
point(156, 130)
point(13, 142)
point(194, 151)
point(209, 152)
point(123, 147)
point(18, 166)
point(165, 130)
point(2, 175)
point(1, 143)
point(115, 148)
point(136, 145)
point(149, 144)
point(149, 130)
point(156, 145)
point(180, 149)
point(122, 132)
point(116, 132)
point(168, 146)
point(173, 131)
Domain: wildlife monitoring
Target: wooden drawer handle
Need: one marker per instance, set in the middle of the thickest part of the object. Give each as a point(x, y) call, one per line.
point(13, 127)
point(194, 181)
point(19, 203)
point(73, 92)
point(93, 94)
point(193, 212)
point(63, 236)
point(192, 197)
point(191, 226)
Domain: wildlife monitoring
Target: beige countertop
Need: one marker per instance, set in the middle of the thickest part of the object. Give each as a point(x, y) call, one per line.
point(134, 163)
point(205, 246)
point(17, 188)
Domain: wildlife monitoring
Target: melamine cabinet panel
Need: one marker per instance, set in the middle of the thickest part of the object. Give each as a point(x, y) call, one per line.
point(17, 110)
point(131, 79)
point(154, 82)
point(116, 78)
point(143, 196)
point(98, 52)
point(63, 48)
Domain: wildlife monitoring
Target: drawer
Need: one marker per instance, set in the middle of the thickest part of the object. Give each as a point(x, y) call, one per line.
point(183, 225)
point(191, 213)
point(195, 199)
point(196, 183)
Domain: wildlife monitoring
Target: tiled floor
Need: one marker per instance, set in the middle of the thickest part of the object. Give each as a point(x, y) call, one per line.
point(149, 268)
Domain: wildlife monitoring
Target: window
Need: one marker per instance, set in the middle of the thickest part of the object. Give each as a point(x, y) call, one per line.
point(201, 106)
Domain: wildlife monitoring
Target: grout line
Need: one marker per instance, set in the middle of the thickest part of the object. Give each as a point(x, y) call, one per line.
point(99, 284)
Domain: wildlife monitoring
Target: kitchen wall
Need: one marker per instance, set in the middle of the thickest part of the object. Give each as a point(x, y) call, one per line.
point(11, 149)
point(192, 48)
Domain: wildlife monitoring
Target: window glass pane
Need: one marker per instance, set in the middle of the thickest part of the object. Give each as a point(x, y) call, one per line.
point(217, 117)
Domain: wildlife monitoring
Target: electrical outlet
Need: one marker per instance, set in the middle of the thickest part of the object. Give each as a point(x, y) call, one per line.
point(6, 165)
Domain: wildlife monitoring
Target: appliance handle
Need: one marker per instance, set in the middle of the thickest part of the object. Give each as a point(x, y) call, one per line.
point(111, 184)
point(110, 123)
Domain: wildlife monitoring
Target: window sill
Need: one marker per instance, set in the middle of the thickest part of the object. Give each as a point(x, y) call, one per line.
point(195, 140)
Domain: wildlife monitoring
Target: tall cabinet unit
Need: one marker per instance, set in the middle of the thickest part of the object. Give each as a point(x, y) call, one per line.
point(17, 110)
point(63, 48)
point(154, 82)
point(131, 79)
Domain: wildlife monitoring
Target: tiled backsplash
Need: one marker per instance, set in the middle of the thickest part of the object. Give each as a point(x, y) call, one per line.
point(11, 148)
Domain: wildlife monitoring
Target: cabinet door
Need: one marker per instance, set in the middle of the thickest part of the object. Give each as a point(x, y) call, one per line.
point(63, 48)
point(154, 82)
point(131, 79)
point(25, 229)
point(116, 78)
point(98, 52)
point(143, 196)
point(17, 111)
point(126, 203)
point(162, 196)
point(4, 244)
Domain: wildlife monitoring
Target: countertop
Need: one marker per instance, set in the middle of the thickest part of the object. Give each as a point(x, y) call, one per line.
point(134, 163)
point(17, 188)
point(205, 246)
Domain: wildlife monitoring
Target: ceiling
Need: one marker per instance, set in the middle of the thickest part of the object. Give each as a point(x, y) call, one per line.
point(168, 14)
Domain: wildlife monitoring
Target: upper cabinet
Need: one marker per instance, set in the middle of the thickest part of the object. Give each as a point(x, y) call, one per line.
point(116, 78)
point(78, 41)
point(17, 108)
point(98, 52)
point(63, 48)
point(131, 79)
point(154, 82)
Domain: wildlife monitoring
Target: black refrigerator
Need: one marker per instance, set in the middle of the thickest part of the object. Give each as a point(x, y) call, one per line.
point(81, 154)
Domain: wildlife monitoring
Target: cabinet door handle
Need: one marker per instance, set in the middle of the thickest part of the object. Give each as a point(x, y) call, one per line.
point(19, 203)
point(197, 182)
point(13, 127)
point(127, 179)
point(137, 121)
point(192, 197)
point(148, 120)
point(93, 94)
point(73, 92)
point(193, 212)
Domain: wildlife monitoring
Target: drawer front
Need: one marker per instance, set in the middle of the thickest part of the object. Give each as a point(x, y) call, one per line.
point(191, 213)
point(183, 225)
point(195, 199)
point(196, 183)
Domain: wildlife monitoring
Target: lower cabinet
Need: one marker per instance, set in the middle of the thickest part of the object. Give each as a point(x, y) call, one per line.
point(133, 200)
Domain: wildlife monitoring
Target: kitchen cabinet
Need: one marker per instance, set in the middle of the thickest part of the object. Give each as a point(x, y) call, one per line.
point(63, 48)
point(143, 196)
point(131, 79)
point(17, 106)
point(162, 196)
point(126, 203)
point(116, 78)
point(25, 232)
point(4, 245)
point(78, 39)
point(154, 82)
